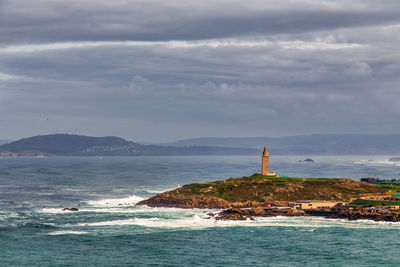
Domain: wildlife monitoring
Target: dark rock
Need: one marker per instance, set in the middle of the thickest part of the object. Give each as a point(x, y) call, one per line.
point(234, 214)
point(358, 214)
point(244, 214)
point(71, 209)
point(308, 160)
point(365, 214)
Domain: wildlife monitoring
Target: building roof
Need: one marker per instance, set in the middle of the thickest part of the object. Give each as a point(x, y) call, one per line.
point(265, 153)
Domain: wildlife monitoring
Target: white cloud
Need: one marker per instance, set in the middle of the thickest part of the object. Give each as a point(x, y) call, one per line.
point(280, 65)
point(8, 77)
point(300, 45)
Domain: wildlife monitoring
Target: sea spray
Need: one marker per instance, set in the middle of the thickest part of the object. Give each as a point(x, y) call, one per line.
point(115, 202)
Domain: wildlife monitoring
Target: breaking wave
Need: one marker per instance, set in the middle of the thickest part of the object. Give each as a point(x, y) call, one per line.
point(113, 210)
point(199, 219)
point(115, 202)
point(63, 232)
point(380, 162)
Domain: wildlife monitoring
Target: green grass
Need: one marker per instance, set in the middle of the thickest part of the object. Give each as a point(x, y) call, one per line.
point(284, 178)
point(274, 188)
point(368, 202)
point(388, 186)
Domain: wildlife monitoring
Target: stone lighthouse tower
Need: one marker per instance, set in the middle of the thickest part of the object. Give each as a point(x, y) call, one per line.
point(265, 163)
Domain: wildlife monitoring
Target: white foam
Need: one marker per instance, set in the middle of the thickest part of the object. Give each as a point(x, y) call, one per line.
point(127, 210)
point(8, 215)
point(55, 211)
point(99, 210)
point(194, 222)
point(115, 202)
point(152, 191)
point(378, 162)
point(200, 221)
point(177, 218)
point(68, 233)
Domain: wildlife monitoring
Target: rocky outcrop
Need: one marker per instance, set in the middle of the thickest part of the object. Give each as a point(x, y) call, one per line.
point(203, 202)
point(177, 201)
point(359, 214)
point(244, 214)
point(343, 213)
point(70, 209)
point(234, 214)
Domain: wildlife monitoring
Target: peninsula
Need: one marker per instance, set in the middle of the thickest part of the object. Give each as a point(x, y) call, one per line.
point(267, 194)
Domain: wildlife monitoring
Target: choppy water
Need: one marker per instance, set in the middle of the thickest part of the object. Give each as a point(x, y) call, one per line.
point(109, 230)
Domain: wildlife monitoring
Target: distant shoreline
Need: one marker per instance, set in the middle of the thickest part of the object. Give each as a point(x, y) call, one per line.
point(312, 145)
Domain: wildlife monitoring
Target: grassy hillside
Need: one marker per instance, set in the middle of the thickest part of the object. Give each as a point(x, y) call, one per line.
point(266, 188)
point(367, 202)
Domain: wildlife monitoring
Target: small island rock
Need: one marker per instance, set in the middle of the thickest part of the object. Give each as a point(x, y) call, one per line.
point(70, 209)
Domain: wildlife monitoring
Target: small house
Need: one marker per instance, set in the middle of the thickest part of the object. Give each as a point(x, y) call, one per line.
point(315, 204)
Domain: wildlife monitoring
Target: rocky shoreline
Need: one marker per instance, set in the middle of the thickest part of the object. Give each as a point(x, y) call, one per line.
point(250, 209)
point(334, 213)
point(266, 196)
point(203, 202)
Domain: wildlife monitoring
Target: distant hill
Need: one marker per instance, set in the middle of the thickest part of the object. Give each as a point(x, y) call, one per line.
point(5, 141)
point(323, 144)
point(78, 145)
point(319, 144)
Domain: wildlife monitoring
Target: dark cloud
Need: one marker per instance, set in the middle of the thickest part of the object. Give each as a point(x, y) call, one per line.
point(287, 68)
point(58, 21)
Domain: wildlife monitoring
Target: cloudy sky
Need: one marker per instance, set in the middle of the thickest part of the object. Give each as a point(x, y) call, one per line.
point(156, 71)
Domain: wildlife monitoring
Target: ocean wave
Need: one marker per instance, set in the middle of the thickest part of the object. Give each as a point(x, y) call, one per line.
point(193, 222)
point(113, 210)
point(158, 191)
point(377, 162)
point(200, 221)
point(65, 232)
point(4, 215)
point(55, 211)
point(178, 218)
point(115, 202)
point(174, 212)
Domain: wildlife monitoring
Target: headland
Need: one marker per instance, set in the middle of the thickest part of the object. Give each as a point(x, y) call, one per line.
point(259, 195)
point(260, 190)
point(267, 194)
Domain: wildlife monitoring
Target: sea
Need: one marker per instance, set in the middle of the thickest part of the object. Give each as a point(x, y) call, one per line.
point(110, 230)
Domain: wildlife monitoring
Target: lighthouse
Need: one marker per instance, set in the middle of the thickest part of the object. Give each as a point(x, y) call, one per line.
point(265, 163)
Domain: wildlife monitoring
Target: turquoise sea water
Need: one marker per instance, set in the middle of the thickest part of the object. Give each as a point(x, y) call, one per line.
point(109, 230)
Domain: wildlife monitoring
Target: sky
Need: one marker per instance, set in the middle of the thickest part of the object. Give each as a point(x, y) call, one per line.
point(160, 71)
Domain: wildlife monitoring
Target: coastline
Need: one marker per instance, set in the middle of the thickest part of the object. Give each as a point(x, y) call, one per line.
point(267, 196)
point(250, 210)
point(334, 213)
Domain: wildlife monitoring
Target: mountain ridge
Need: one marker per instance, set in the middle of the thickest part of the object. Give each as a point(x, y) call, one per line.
point(80, 145)
point(317, 144)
